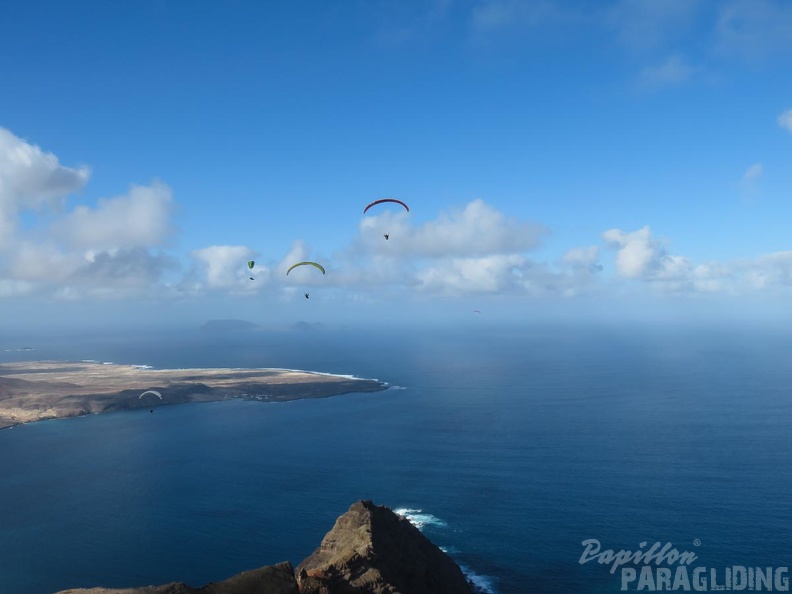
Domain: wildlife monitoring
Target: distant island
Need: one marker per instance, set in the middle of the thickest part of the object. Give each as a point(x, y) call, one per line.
point(35, 391)
point(228, 326)
point(235, 326)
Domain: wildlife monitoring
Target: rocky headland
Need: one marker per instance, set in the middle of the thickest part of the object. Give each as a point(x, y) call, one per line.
point(41, 390)
point(370, 550)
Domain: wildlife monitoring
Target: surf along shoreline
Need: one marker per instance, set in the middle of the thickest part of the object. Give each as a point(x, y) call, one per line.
point(43, 390)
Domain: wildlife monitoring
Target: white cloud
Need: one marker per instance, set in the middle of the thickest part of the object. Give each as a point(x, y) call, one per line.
point(673, 71)
point(31, 179)
point(785, 120)
point(43, 262)
point(473, 249)
point(488, 274)
point(638, 255)
point(501, 275)
point(476, 230)
point(99, 251)
point(114, 273)
point(127, 268)
point(641, 257)
point(583, 259)
point(140, 218)
point(225, 267)
point(769, 270)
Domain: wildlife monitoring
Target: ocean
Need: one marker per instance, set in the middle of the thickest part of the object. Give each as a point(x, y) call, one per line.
point(508, 446)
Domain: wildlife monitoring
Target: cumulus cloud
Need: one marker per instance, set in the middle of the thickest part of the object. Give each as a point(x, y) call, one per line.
point(641, 257)
point(100, 251)
point(472, 249)
point(138, 219)
point(502, 274)
point(75, 274)
point(637, 255)
point(583, 259)
point(130, 268)
point(785, 120)
point(488, 274)
point(43, 262)
point(31, 179)
point(769, 270)
point(475, 230)
point(225, 266)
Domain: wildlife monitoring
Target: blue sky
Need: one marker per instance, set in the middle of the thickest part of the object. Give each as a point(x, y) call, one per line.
point(559, 158)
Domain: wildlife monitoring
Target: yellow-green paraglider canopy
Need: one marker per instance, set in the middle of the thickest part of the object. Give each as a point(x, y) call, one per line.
point(293, 266)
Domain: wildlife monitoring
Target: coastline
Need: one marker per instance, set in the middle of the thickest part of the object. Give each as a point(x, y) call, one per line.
point(43, 390)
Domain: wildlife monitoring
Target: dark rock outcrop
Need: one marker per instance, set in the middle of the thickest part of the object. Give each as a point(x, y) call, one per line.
point(370, 550)
point(273, 579)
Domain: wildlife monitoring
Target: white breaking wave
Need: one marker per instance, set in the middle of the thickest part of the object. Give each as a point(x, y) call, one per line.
point(419, 519)
point(142, 366)
point(481, 583)
point(107, 363)
point(344, 375)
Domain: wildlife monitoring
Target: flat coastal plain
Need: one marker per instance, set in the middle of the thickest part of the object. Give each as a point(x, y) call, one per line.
point(35, 391)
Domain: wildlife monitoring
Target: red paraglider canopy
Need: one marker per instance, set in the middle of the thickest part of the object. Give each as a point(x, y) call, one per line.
point(386, 200)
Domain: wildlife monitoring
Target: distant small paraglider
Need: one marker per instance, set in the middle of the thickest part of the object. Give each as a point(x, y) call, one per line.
point(306, 295)
point(386, 236)
point(251, 264)
point(153, 392)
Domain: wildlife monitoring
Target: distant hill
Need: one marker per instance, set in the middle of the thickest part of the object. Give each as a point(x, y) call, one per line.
point(228, 326)
point(308, 326)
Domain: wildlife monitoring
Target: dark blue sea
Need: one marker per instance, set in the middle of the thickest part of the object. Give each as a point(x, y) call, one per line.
point(509, 446)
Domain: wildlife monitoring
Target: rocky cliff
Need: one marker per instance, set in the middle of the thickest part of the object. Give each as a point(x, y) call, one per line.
point(370, 550)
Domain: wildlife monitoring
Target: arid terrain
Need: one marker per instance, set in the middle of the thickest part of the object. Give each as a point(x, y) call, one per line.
point(40, 390)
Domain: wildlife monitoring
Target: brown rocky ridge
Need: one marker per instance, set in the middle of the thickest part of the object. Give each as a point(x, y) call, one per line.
point(370, 550)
